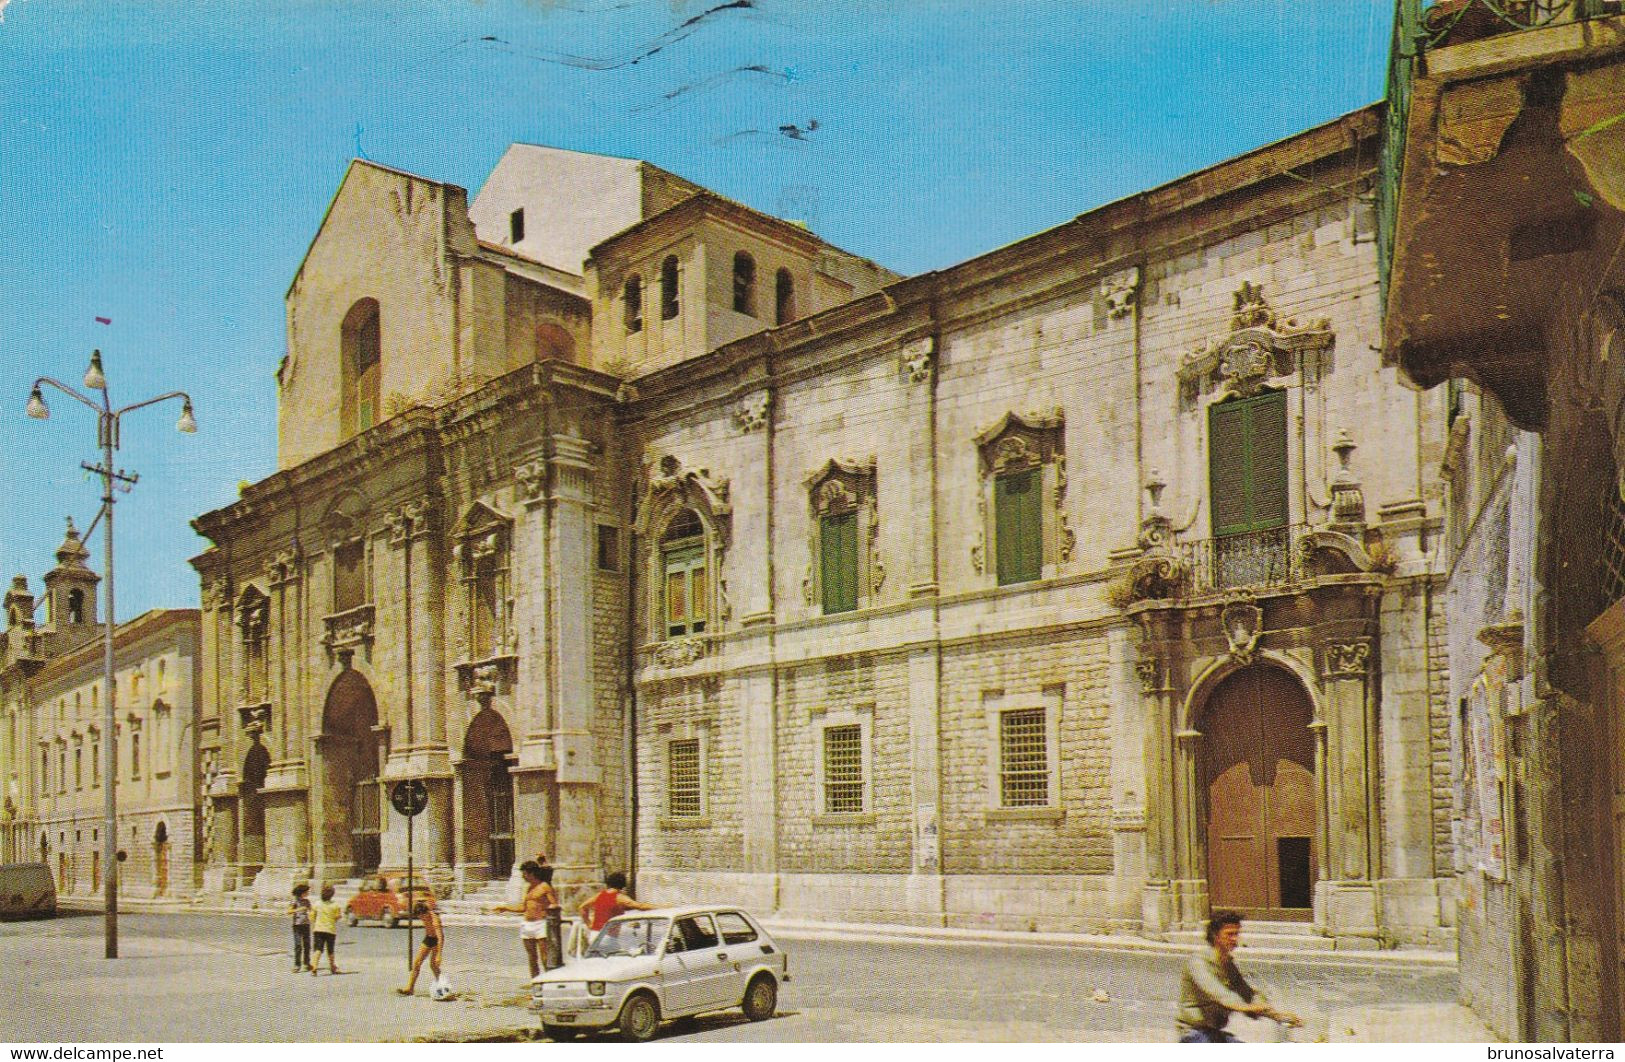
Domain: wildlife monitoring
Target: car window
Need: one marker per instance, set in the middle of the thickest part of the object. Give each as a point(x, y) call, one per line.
point(697, 932)
point(734, 928)
point(629, 936)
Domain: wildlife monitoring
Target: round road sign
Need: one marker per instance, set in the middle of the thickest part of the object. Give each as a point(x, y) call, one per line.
point(409, 797)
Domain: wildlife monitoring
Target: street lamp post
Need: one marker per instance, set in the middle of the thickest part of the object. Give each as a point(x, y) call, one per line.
point(107, 428)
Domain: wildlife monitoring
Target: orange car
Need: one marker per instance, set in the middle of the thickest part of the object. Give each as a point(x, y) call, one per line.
point(387, 899)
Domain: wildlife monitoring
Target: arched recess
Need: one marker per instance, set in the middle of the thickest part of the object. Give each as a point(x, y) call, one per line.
point(488, 834)
point(1255, 805)
point(554, 343)
point(360, 365)
point(348, 747)
point(251, 849)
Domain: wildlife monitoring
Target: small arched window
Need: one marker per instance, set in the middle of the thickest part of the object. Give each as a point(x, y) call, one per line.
point(76, 606)
point(744, 284)
point(553, 343)
point(784, 297)
point(668, 288)
point(361, 347)
point(682, 555)
point(632, 303)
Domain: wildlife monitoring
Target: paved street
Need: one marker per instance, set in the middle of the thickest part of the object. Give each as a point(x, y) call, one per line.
point(194, 977)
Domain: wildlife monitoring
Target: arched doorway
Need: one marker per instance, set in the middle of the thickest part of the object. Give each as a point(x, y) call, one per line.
point(488, 792)
point(160, 859)
point(252, 848)
point(1258, 787)
point(349, 749)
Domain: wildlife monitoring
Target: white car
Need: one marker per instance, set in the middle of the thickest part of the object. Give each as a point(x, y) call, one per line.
point(646, 967)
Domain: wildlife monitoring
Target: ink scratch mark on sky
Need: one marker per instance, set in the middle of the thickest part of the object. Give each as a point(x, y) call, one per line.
point(683, 93)
point(789, 131)
point(688, 27)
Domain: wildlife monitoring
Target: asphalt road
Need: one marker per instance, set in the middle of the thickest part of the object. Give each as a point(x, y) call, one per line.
point(195, 977)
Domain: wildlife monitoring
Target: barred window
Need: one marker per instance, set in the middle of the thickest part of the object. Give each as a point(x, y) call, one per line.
point(683, 781)
point(843, 769)
point(1023, 759)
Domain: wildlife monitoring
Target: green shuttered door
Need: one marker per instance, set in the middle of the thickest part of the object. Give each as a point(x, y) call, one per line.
point(1247, 464)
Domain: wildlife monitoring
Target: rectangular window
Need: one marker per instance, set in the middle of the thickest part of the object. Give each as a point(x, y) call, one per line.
point(44, 771)
point(838, 562)
point(349, 576)
point(1018, 532)
point(609, 548)
point(1247, 464)
point(96, 763)
point(516, 225)
point(1023, 759)
point(62, 769)
point(485, 608)
point(685, 590)
point(683, 780)
point(843, 769)
point(135, 754)
point(78, 767)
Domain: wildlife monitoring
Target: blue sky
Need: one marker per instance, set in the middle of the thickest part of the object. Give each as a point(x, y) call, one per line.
point(165, 164)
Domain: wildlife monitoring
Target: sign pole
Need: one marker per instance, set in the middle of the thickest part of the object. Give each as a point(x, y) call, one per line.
point(411, 893)
point(410, 797)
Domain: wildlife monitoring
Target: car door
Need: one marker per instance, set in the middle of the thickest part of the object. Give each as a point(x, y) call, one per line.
point(698, 974)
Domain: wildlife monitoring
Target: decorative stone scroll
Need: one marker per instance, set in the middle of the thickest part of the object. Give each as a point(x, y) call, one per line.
point(530, 478)
point(1346, 659)
point(1243, 622)
point(679, 652)
point(917, 359)
point(1261, 345)
point(753, 414)
point(1150, 671)
point(1120, 293)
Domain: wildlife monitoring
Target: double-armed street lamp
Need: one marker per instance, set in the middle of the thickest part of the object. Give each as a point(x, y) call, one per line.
point(107, 437)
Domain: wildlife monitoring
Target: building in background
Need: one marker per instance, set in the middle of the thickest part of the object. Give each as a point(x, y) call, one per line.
point(1087, 584)
point(1503, 223)
point(52, 681)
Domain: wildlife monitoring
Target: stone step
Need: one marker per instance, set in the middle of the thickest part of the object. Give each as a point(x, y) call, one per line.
point(1255, 935)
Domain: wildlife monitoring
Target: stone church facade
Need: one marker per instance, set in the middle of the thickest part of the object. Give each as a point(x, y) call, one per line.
point(1087, 584)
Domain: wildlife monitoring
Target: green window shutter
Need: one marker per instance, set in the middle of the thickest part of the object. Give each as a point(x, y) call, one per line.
point(1018, 528)
point(1227, 467)
point(1247, 464)
point(1267, 434)
point(838, 562)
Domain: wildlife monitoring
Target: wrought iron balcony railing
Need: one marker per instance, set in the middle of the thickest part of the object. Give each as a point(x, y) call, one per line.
point(1256, 559)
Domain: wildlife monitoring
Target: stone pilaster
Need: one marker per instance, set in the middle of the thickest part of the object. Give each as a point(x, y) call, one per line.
point(917, 364)
point(570, 643)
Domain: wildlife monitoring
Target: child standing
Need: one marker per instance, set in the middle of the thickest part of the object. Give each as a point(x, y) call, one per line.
point(324, 920)
point(301, 928)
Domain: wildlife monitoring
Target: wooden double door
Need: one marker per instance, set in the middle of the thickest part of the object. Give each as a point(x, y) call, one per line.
point(1258, 781)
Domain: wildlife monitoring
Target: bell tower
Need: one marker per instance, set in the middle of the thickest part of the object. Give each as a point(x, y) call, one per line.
point(70, 588)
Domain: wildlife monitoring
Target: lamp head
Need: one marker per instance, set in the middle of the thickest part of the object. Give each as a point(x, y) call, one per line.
point(187, 424)
point(93, 375)
point(37, 408)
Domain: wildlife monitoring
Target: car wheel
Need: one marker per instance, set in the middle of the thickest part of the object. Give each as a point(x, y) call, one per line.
point(640, 1018)
point(761, 998)
point(560, 1033)
point(350, 919)
point(389, 919)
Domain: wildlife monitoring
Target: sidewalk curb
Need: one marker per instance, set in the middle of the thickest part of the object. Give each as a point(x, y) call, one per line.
point(790, 929)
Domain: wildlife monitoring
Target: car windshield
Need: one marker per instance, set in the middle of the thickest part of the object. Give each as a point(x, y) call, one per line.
point(629, 936)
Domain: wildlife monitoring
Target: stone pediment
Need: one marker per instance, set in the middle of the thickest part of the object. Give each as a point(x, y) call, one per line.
point(1260, 346)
